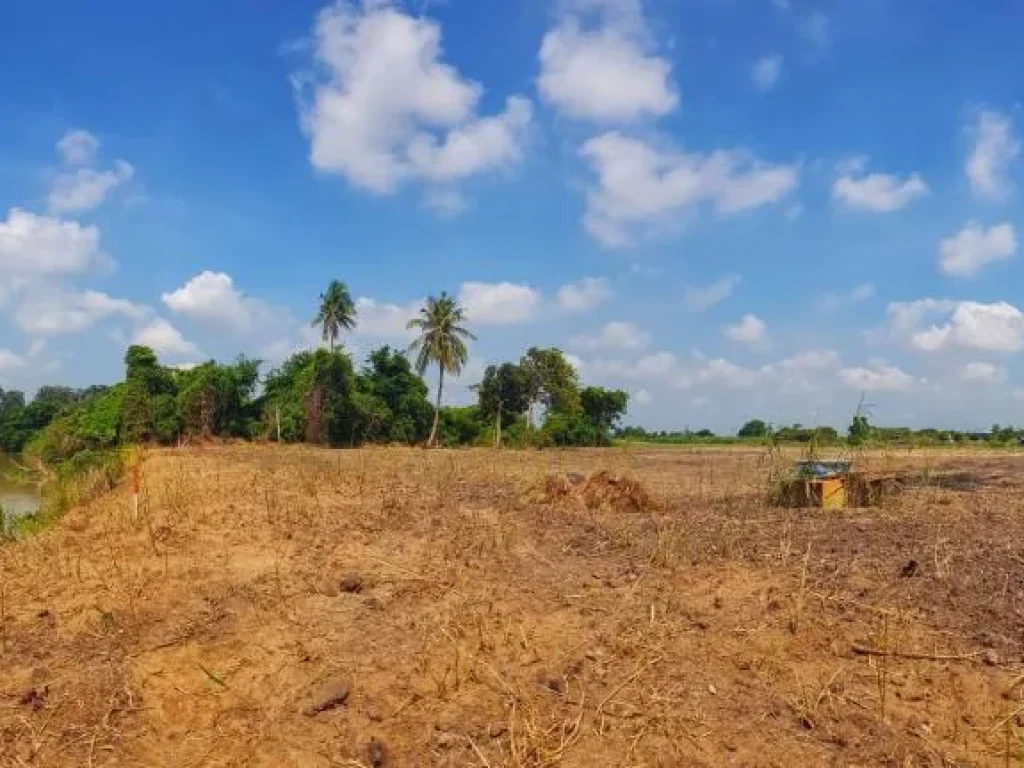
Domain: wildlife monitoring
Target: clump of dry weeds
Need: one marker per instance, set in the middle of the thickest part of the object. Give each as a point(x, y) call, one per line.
point(601, 490)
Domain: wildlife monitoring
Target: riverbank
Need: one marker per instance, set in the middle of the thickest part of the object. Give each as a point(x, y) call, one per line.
point(18, 496)
point(70, 483)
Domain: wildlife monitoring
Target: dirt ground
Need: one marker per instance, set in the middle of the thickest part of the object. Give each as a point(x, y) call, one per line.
point(399, 607)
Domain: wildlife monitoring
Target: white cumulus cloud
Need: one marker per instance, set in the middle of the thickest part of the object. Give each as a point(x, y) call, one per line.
point(616, 335)
point(641, 188)
point(604, 71)
point(876, 192)
point(584, 295)
point(807, 371)
point(878, 378)
point(964, 253)
point(997, 327)
point(996, 147)
point(384, 108)
point(720, 372)
point(499, 303)
point(651, 368)
point(43, 246)
point(51, 312)
point(982, 373)
point(750, 330)
point(86, 188)
point(164, 339)
point(213, 298)
point(385, 320)
point(78, 147)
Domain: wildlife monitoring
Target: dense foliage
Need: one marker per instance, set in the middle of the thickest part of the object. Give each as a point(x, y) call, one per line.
point(504, 394)
point(20, 421)
point(310, 397)
point(313, 396)
point(391, 400)
point(544, 377)
point(753, 428)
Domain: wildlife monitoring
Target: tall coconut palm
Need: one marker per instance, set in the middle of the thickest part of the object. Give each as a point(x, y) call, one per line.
point(442, 340)
point(337, 312)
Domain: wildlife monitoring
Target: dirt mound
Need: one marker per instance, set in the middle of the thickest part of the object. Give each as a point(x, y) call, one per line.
point(602, 490)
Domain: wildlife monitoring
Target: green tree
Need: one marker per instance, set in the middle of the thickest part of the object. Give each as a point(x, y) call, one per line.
point(139, 361)
point(460, 426)
point(503, 391)
point(442, 340)
point(567, 429)
point(98, 420)
point(313, 394)
point(144, 380)
point(50, 403)
point(21, 422)
point(552, 381)
point(603, 407)
point(337, 312)
point(14, 432)
point(214, 399)
point(167, 422)
point(392, 400)
point(860, 429)
point(753, 428)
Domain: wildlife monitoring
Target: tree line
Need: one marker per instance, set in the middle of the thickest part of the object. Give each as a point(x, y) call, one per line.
point(318, 396)
point(859, 432)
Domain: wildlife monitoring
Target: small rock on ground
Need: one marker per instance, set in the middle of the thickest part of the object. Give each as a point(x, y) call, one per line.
point(330, 695)
point(446, 740)
point(376, 754)
point(497, 730)
point(352, 583)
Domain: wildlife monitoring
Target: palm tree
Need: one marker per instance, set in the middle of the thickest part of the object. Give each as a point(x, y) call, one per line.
point(442, 340)
point(337, 312)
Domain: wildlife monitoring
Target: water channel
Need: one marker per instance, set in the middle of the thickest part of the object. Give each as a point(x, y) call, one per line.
point(16, 497)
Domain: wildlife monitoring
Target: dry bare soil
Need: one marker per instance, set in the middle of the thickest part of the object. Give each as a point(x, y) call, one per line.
point(299, 607)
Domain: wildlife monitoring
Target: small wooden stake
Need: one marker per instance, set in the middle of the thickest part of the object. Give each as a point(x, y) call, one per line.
point(135, 490)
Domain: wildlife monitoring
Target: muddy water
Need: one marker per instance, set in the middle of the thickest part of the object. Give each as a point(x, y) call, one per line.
point(16, 498)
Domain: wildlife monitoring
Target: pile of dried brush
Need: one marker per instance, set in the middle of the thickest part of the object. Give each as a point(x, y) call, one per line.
point(602, 490)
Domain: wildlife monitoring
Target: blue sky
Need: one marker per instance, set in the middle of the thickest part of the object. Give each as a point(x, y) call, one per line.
point(730, 208)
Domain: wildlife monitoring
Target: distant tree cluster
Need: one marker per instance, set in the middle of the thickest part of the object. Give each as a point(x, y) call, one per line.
point(319, 397)
point(21, 421)
point(860, 432)
point(511, 394)
point(670, 437)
